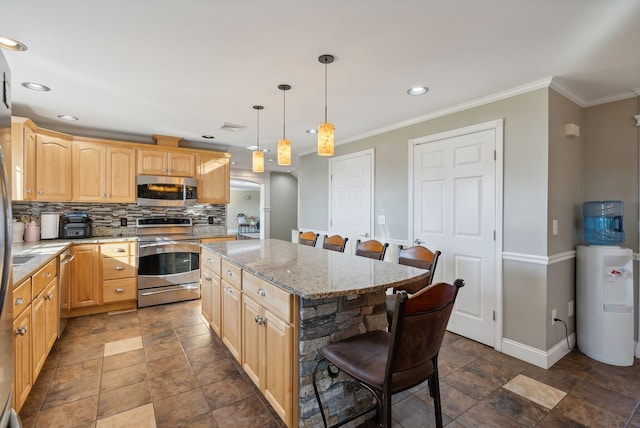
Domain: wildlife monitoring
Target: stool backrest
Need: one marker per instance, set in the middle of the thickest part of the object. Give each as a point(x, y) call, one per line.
point(372, 249)
point(418, 328)
point(308, 238)
point(334, 243)
point(420, 257)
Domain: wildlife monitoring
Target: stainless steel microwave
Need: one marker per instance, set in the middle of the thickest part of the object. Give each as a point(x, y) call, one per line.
point(163, 191)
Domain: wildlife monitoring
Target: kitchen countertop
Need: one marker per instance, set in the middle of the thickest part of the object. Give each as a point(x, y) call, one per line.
point(44, 251)
point(314, 273)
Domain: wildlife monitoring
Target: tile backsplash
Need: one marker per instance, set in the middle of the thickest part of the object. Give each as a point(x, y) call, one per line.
point(106, 217)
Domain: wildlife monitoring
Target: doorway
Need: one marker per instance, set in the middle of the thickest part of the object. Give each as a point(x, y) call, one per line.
point(245, 184)
point(456, 198)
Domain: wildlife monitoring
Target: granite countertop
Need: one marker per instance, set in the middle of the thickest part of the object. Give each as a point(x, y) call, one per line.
point(44, 251)
point(314, 273)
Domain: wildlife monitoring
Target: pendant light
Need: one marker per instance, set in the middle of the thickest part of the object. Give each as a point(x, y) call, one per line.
point(284, 145)
point(257, 160)
point(326, 129)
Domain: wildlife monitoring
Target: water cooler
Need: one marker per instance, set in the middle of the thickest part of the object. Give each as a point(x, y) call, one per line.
point(604, 287)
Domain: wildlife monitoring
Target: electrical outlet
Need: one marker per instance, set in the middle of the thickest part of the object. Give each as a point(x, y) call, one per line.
point(570, 308)
point(554, 315)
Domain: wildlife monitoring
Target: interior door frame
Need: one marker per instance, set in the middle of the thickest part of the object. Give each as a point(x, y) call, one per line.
point(498, 126)
point(372, 162)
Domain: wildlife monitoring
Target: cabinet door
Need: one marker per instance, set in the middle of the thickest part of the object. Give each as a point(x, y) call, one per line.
point(231, 316)
point(252, 339)
point(85, 277)
point(51, 304)
point(276, 383)
point(29, 164)
point(152, 162)
point(53, 168)
point(181, 164)
point(213, 179)
point(39, 324)
point(121, 174)
point(89, 173)
point(206, 288)
point(216, 305)
point(22, 357)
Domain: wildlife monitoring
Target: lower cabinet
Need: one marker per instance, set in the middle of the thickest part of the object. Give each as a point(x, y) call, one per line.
point(85, 279)
point(35, 324)
point(256, 321)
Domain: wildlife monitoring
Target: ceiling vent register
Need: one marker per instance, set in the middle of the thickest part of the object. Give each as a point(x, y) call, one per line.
point(230, 127)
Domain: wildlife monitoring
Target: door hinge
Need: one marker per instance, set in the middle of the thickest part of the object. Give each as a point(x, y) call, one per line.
point(494, 315)
point(495, 156)
point(494, 235)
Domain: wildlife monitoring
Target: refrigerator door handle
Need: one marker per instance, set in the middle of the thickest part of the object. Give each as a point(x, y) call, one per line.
point(8, 233)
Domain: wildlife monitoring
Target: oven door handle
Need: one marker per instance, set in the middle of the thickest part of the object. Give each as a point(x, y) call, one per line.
point(170, 289)
point(167, 247)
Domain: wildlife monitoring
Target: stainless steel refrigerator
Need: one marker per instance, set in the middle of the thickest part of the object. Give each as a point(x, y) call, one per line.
point(8, 417)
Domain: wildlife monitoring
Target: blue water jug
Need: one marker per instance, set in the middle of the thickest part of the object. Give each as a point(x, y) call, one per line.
point(603, 222)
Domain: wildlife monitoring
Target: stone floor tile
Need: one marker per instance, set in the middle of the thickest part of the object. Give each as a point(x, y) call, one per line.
point(123, 399)
point(140, 417)
point(173, 411)
point(123, 377)
point(79, 413)
point(173, 383)
point(124, 359)
point(124, 345)
point(72, 390)
point(249, 412)
point(227, 391)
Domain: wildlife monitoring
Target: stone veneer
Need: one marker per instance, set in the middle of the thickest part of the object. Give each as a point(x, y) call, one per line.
point(328, 320)
point(106, 217)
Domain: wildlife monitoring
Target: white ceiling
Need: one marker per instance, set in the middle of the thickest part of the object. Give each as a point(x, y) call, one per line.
point(130, 69)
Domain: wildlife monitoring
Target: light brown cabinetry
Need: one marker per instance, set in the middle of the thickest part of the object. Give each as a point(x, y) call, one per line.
point(166, 162)
point(40, 163)
point(267, 342)
point(210, 290)
point(118, 271)
point(22, 339)
point(85, 287)
point(231, 283)
point(213, 179)
point(103, 172)
point(35, 326)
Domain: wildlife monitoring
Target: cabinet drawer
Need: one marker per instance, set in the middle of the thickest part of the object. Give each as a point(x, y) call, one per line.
point(211, 262)
point(118, 267)
point(116, 290)
point(44, 277)
point(232, 274)
point(118, 249)
point(268, 295)
point(21, 297)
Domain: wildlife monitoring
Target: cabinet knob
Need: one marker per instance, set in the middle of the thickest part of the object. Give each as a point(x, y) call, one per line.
point(104, 195)
point(261, 292)
point(229, 273)
point(260, 320)
point(120, 250)
point(119, 290)
point(29, 191)
point(207, 278)
point(209, 261)
point(19, 301)
point(119, 268)
point(21, 331)
point(48, 296)
point(40, 192)
point(229, 290)
point(47, 275)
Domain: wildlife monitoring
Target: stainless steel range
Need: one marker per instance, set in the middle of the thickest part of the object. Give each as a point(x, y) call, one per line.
point(168, 261)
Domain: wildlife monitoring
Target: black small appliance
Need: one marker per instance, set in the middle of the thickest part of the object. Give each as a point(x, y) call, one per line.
point(75, 225)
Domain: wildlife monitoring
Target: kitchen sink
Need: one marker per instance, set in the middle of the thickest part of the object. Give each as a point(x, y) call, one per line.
point(20, 260)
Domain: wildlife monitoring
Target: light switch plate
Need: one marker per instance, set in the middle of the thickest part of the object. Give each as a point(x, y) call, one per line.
point(381, 219)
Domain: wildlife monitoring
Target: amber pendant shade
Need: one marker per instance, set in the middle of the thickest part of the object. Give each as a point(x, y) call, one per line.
point(284, 152)
point(257, 164)
point(325, 139)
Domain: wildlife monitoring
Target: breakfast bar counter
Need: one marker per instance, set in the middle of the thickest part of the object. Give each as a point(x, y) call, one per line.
point(318, 296)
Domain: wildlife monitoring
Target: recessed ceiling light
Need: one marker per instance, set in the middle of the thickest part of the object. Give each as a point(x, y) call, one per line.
point(269, 160)
point(208, 137)
point(234, 163)
point(312, 131)
point(36, 86)
point(11, 44)
point(67, 117)
point(418, 90)
point(252, 148)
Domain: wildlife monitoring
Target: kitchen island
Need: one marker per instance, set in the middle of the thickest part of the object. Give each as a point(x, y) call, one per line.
point(275, 304)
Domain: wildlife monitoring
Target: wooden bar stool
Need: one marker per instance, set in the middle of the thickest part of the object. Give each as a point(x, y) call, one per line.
point(372, 249)
point(308, 238)
point(389, 362)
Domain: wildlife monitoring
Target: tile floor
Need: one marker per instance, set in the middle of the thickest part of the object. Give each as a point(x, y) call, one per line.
point(162, 367)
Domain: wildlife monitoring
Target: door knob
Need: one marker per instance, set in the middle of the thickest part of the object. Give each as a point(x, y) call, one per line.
point(417, 241)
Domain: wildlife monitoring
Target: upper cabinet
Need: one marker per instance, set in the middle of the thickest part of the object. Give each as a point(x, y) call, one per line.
point(165, 162)
point(51, 166)
point(103, 172)
point(213, 178)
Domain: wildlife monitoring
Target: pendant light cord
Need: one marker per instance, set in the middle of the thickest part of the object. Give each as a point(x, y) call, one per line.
point(284, 114)
point(325, 92)
point(258, 134)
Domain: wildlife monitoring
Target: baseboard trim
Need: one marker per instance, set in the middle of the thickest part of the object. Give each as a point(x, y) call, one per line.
point(537, 357)
point(539, 260)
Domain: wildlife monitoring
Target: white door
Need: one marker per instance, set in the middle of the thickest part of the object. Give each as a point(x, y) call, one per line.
point(454, 211)
point(351, 196)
